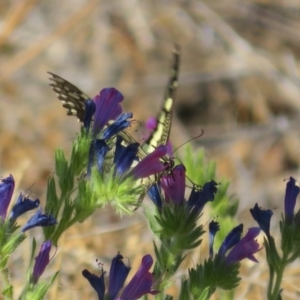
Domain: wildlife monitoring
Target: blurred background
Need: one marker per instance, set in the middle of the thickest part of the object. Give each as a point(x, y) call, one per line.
point(239, 82)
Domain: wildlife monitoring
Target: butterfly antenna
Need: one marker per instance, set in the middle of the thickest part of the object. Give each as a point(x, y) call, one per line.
point(188, 141)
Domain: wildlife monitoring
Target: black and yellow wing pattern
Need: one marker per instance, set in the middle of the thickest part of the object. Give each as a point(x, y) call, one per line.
point(73, 99)
point(160, 134)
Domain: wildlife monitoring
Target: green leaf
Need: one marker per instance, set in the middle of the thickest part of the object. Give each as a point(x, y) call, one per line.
point(205, 294)
point(8, 291)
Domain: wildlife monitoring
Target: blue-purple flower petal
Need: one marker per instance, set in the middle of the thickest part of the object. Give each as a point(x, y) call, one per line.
point(126, 158)
point(90, 108)
point(155, 194)
point(22, 206)
point(231, 239)
point(291, 193)
point(263, 218)
point(141, 283)
point(107, 108)
point(173, 185)
point(98, 150)
point(97, 282)
point(7, 186)
point(39, 219)
point(214, 227)
point(120, 124)
point(41, 262)
point(245, 248)
point(198, 198)
point(117, 276)
point(151, 164)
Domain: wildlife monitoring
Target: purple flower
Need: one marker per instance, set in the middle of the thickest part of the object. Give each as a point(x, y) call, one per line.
point(198, 198)
point(120, 124)
point(107, 108)
point(141, 283)
point(97, 282)
point(39, 219)
point(124, 157)
point(214, 227)
point(22, 206)
point(291, 193)
point(98, 150)
point(263, 218)
point(151, 164)
point(173, 185)
point(151, 124)
point(117, 276)
point(231, 239)
point(245, 248)
point(41, 262)
point(155, 194)
point(7, 186)
point(90, 108)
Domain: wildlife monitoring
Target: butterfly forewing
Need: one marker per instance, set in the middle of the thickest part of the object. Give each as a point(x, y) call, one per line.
point(72, 98)
point(160, 135)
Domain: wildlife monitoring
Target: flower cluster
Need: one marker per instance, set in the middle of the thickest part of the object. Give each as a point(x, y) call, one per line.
point(11, 237)
point(141, 283)
point(115, 169)
point(240, 248)
point(107, 166)
point(173, 185)
point(22, 205)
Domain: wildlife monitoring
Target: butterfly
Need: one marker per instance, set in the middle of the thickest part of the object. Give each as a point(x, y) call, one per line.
point(73, 99)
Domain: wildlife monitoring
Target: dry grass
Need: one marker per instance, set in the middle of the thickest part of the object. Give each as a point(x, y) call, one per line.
point(239, 82)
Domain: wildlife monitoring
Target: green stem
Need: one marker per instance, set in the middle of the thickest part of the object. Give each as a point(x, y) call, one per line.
point(271, 281)
point(279, 274)
point(6, 284)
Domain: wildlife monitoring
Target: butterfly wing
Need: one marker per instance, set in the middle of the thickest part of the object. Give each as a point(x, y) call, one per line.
point(72, 98)
point(160, 134)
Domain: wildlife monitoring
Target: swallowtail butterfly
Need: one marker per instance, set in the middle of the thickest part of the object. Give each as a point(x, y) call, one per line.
point(73, 99)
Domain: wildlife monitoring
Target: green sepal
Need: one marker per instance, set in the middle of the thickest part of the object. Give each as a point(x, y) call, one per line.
point(205, 294)
point(166, 261)
point(52, 203)
point(61, 164)
point(212, 274)
point(33, 248)
point(272, 255)
point(184, 290)
point(38, 291)
point(80, 150)
point(10, 239)
point(63, 224)
point(8, 292)
point(64, 172)
point(122, 193)
point(290, 237)
point(178, 223)
point(288, 231)
point(85, 202)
